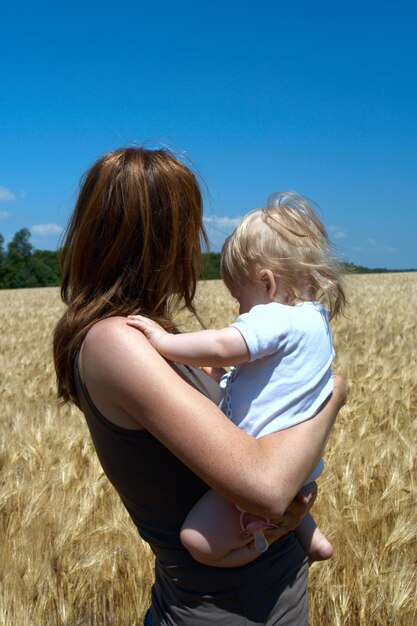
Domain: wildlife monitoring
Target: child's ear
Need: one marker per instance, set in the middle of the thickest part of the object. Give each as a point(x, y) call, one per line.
point(267, 279)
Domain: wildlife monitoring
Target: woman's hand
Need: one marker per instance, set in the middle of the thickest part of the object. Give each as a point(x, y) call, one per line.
point(297, 509)
point(216, 373)
point(339, 390)
point(300, 506)
point(263, 536)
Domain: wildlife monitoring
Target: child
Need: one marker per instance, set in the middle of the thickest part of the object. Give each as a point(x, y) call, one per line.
point(279, 266)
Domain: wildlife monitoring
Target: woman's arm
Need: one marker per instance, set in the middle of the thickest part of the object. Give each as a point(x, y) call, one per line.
point(127, 377)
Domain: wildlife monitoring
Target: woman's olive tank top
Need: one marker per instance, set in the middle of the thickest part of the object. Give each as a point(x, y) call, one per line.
point(158, 491)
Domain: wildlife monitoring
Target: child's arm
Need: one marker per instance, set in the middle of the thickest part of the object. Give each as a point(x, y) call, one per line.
point(217, 348)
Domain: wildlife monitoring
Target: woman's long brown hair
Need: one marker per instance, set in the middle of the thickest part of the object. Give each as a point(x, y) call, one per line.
point(132, 245)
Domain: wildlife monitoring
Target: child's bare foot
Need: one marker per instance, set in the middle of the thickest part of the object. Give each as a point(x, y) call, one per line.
point(320, 548)
point(315, 544)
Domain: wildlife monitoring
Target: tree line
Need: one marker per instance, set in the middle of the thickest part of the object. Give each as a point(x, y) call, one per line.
point(23, 266)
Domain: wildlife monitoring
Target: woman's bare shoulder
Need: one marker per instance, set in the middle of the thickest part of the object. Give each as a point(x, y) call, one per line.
point(112, 331)
point(111, 345)
point(107, 328)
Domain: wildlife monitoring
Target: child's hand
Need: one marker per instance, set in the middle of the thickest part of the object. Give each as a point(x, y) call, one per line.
point(152, 330)
point(216, 373)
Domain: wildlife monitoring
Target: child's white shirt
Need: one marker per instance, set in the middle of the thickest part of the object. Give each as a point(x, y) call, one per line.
point(288, 376)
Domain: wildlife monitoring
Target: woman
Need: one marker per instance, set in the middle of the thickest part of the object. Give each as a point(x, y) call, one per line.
point(133, 245)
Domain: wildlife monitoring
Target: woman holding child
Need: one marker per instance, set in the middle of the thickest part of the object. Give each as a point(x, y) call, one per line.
point(133, 247)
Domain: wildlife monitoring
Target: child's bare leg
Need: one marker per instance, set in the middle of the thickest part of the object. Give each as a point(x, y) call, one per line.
point(213, 536)
point(314, 543)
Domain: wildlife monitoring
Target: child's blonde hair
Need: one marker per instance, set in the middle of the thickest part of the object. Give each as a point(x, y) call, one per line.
point(287, 238)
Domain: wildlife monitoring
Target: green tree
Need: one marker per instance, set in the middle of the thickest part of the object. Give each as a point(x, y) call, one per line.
point(44, 269)
point(19, 253)
point(22, 266)
point(19, 249)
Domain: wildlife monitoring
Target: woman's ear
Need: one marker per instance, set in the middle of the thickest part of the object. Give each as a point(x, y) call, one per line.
point(267, 279)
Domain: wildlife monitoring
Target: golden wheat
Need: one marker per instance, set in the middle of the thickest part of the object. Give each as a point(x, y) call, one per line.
point(70, 555)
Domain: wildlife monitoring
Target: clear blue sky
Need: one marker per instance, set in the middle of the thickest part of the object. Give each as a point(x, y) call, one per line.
point(317, 97)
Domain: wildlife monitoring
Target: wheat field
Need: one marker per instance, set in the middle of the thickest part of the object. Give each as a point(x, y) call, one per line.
point(70, 555)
